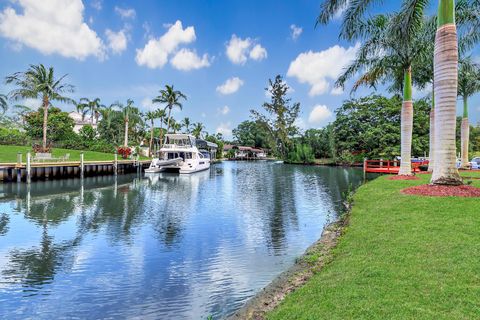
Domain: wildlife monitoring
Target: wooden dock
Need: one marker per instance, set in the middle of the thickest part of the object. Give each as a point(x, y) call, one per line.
point(25, 171)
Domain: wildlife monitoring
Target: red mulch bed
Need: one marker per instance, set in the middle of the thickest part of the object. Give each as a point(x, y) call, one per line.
point(403, 178)
point(443, 191)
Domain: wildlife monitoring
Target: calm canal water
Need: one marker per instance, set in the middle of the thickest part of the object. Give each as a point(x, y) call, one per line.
point(164, 246)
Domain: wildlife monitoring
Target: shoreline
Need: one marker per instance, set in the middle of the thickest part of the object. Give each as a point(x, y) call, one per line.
point(312, 261)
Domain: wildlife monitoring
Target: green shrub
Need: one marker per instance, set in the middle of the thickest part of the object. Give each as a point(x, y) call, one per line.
point(11, 136)
point(301, 153)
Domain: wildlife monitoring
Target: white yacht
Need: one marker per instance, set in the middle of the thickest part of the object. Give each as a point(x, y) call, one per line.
point(180, 154)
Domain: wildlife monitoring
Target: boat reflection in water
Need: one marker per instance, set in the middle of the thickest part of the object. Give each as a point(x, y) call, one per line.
point(159, 246)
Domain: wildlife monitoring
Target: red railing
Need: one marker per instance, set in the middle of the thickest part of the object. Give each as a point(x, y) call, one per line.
point(389, 166)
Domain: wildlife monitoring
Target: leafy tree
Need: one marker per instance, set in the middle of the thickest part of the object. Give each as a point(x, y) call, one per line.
point(301, 153)
point(40, 82)
point(171, 98)
point(369, 126)
point(281, 115)
point(251, 133)
point(59, 124)
point(318, 140)
point(108, 126)
point(87, 133)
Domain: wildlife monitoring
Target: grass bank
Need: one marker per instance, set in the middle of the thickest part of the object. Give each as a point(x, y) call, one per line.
point(401, 257)
point(9, 154)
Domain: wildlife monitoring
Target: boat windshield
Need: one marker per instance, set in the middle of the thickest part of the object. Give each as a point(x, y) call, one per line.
point(181, 142)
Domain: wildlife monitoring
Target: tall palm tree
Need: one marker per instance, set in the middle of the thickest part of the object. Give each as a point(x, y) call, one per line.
point(468, 85)
point(391, 45)
point(130, 114)
point(171, 98)
point(40, 82)
point(161, 115)
point(91, 105)
point(108, 114)
point(198, 129)
point(3, 103)
point(445, 85)
point(151, 116)
point(186, 124)
point(82, 109)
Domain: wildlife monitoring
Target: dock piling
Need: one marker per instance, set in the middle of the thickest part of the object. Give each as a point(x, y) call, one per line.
point(115, 164)
point(29, 167)
point(82, 165)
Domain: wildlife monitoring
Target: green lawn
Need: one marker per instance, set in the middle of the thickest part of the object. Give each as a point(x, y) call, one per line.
point(401, 257)
point(9, 154)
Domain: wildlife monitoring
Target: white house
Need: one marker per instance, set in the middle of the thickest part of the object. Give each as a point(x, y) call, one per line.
point(79, 123)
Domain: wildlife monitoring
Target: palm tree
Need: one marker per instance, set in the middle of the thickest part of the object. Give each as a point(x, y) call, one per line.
point(90, 105)
point(108, 114)
point(176, 126)
point(130, 114)
point(82, 109)
point(40, 82)
point(198, 129)
point(445, 85)
point(468, 15)
point(151, 116)
point(21, 111)
point(171, 98)
point(3, 103)
point(391, 45)
point(468, 85)
point(186, 124)
point(161, 115)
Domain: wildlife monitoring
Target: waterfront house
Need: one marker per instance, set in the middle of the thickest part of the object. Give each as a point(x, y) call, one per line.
point(80, 121)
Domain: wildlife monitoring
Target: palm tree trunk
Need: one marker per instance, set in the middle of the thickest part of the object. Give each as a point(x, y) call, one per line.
point(431, 152)
point(125, 140)
point(151, 139)
point(465, 134)
point(161, 132)
point(406, 125)
point(445, 84)
point(168, 121)
point(45, 122)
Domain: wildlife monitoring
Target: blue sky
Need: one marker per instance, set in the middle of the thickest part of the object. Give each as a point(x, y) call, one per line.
point(219, 53)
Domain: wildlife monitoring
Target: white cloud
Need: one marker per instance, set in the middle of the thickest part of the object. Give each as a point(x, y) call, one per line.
point(186, 59)
point(54, 26)
point(117, 41)
point(296, 31)
point(96, 4)
point(225, 110)
point(156, 51)
point(336, 91)
point(319, 115)
point(125, 13)
point(258, 53)
point(318, 69)
point(238, 50)
point(230, 86)
point(225, 129)
point(147, 104)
